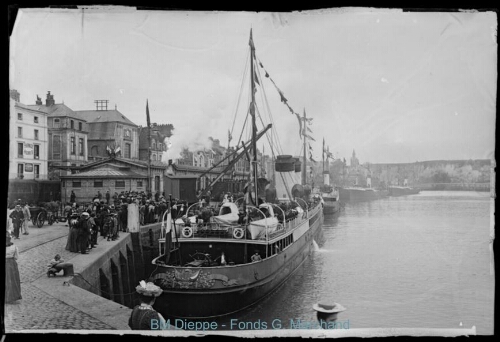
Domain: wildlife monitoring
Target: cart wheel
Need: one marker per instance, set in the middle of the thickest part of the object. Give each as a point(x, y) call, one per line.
point(50, 220)
point(40, 220)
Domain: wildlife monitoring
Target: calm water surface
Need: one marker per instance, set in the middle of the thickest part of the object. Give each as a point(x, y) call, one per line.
point(419, 261)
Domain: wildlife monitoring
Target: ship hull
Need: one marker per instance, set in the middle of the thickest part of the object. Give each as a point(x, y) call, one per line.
point(359, 195)
point(331, 207)
point(222, 290)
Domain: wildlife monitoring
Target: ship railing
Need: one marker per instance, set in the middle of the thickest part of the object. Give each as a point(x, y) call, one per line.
point(306, 209)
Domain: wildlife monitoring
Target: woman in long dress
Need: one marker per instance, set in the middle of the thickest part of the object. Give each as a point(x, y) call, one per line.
point(12, 279)
point(72, 244)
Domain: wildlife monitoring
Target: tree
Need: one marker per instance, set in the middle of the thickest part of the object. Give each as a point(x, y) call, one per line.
point(441, 176)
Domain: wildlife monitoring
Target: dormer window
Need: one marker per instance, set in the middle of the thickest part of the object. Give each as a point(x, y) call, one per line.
point(57, 123)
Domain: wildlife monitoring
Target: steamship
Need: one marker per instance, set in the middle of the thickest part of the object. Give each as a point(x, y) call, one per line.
point(216, 264)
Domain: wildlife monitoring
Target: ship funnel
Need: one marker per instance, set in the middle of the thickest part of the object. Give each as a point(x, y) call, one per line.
point(286, 175)
point(326, 178)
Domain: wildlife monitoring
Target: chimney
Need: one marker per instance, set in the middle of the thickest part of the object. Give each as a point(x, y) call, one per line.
point(50, 100)
point(14, 94)
point(38, 101)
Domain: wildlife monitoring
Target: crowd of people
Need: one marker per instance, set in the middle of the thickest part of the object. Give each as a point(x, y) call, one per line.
point(108, 215)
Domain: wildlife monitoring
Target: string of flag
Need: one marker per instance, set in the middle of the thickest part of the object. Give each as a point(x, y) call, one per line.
point(304, 122)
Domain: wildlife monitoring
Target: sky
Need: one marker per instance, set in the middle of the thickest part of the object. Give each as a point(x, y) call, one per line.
point(396, 87)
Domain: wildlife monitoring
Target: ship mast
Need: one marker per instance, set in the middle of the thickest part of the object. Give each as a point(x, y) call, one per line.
point(304, 156)
point(252, 113)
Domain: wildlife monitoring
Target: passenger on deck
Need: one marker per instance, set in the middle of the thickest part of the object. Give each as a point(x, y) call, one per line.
point(256, 257)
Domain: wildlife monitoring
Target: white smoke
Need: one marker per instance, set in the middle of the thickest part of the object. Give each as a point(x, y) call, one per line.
point(177, 143)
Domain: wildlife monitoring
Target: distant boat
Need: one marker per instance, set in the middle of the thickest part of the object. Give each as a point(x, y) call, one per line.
point(359, 194)
point(402, 191)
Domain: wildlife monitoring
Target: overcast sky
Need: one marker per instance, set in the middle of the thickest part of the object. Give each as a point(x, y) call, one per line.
point(394, 86)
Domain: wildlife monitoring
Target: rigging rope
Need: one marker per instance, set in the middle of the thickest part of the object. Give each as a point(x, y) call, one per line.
point(245, 70)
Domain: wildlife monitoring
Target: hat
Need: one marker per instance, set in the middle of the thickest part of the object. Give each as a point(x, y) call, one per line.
point(329, 309)
point(148, 289)
point(18, 206)
point(85, 213)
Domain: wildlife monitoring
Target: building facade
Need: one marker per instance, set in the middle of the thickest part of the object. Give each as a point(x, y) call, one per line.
point(113, 175)
point(109, 129)
point(67, 137)
point(158, 145)
point(28, 142)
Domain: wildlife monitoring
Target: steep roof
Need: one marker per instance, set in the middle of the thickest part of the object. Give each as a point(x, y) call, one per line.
point(57, 110)
point(97, 116)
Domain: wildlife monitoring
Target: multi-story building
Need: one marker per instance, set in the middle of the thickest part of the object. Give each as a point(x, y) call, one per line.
point(109, 128)
point(28, 142)
point(67, 137)
point(158, 144)
point(198, 165)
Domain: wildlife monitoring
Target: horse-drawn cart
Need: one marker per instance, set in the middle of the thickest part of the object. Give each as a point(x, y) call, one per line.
point(40, 214)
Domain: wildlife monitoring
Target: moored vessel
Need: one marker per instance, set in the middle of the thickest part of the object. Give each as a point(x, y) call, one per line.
point(214, 265)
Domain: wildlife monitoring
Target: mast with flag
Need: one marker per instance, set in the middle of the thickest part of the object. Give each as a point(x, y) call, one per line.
point(252, 113)
point(149, 147)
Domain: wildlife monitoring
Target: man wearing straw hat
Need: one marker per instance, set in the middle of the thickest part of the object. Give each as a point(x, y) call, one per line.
point(143, 316)
point(327, 314)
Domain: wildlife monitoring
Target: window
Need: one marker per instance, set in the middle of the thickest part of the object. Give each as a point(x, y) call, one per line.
point(154, 157)
point(98, 184)
point(35, 119)
point(159, 146)
point(77, 184)
point(20, 150)
point(56, 147)
point(57, 123)
point(94, 151)
point(20, 170)
point(80, 146)
point(73, 146)
point(127, 150)
point(19, 116)
point(36, 151)
point(153, 144)
point(159, 157)
point(36, 134)
point(139, 184)
point(37, 171)
point(72, 124)
point(80, 126)
point(119, 184)
point(19, 132)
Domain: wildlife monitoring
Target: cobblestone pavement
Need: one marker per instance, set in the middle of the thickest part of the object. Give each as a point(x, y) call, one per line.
point(37, 309)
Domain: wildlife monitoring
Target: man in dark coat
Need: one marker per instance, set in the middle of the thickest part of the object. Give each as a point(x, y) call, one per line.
point(108, 197)
point(83, 233)
point(72, 198)
point(17, 217)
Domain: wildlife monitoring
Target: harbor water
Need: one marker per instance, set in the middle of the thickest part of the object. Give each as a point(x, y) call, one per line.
point(419, 261)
